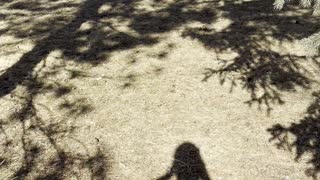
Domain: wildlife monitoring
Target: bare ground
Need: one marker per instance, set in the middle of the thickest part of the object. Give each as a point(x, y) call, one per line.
point(157, 90)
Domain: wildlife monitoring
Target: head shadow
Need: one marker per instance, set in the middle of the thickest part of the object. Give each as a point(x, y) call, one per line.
point(187, 164)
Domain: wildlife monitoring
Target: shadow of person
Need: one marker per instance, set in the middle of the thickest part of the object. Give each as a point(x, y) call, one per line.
point(187, 164)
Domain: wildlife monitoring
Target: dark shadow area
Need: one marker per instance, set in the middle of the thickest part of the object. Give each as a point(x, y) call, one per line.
point(187, 164)
point(257, 67)
point(41, 141)
point(63, 33)
point(23, 5)
point(68, 40)
point(171, 17)
point(87, 36)
point(306, 135)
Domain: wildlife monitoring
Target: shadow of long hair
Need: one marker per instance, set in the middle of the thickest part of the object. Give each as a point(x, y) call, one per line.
point(187, 164)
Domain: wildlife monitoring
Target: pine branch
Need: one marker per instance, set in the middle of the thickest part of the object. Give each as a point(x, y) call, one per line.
point(278, 5)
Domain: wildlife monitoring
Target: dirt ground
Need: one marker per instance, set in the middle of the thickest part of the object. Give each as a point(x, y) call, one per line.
point(155, 89)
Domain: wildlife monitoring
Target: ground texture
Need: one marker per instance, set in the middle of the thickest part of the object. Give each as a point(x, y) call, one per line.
point(155, 89)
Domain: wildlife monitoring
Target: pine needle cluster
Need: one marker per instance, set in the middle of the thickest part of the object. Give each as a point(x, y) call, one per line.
point(315, 4)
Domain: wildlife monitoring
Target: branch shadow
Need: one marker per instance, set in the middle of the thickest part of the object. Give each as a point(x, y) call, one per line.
point(257, 66)
point(48, 151)
point(306, 135)
point(68, 40)
point(100, 37)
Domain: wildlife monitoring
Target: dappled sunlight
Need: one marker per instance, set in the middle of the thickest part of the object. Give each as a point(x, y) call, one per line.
point(40, 81)
point(77, 74)
point(259, 66)
point(42, 124)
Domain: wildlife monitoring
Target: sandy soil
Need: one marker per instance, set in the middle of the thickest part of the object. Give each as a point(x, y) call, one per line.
point(157, 90)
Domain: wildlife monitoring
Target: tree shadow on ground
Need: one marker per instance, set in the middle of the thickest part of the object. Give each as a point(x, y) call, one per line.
point(264, 73)
point(187, 164)
point(253, 23)
point(89, 36)
point(68, 40)
point(100, 39)
point(306, 135)
point(40, 141)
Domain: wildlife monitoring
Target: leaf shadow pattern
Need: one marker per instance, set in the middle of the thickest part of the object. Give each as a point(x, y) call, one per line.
point(99, 40)
point(259, 70)
point(68, 40)
point(40, 139)
point(187, 164)
point(66, 35)
point(306, 135)
point(172, 16)
point(61, 163)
